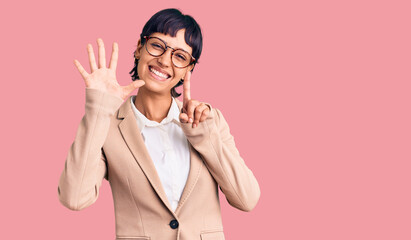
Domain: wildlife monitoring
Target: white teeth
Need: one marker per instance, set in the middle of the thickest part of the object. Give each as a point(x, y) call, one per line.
point(158, 73)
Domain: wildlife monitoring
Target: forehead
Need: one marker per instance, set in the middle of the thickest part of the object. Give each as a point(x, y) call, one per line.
point(175, 42)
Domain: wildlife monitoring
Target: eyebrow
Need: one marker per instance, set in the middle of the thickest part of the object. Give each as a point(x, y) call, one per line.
point(171, 46)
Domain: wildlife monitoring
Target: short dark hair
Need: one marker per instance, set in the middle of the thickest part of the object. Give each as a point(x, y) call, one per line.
point(170, 21)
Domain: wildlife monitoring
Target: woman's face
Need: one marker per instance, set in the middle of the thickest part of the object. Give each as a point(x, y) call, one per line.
point(148, 65)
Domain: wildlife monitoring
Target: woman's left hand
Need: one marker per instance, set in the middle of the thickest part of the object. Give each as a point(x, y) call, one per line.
point(193, 111)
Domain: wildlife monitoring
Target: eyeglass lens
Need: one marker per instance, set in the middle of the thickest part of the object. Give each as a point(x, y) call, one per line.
point(180, 58)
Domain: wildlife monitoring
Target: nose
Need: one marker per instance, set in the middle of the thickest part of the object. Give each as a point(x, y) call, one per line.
point(165, 59)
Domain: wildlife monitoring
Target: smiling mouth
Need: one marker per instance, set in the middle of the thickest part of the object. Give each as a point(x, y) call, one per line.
point(159, 74)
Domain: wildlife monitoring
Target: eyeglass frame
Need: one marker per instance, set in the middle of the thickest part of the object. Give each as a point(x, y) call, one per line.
point(193, 60)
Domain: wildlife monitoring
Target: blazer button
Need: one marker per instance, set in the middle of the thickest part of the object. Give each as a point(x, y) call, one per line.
point(174, 224)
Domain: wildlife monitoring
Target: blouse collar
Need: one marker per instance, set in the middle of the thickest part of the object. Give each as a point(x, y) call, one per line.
point(143, 121)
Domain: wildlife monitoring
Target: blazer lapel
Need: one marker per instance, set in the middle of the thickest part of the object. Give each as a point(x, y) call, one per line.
point(195, 169)
point(132, 136)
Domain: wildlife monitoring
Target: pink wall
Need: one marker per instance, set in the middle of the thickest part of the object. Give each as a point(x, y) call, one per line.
point(317, 95)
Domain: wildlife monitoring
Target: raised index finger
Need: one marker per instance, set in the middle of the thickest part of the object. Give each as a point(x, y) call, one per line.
point(186, 87)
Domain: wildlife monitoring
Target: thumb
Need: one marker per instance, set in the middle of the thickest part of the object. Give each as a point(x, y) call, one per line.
point(138, 83)
point(183, 117)
point(133, 86)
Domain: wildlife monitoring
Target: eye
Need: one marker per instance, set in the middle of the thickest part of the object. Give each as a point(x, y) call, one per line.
point(181, 57)
point(157, 46)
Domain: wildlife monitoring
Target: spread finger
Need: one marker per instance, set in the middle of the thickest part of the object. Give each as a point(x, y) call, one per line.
point(91, 58)
point(101, 54)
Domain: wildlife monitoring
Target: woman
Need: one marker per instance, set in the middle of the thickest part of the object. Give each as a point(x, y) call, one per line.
point(164, 159)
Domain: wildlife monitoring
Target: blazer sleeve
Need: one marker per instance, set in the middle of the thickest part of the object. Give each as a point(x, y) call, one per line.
point(86, 165)
point(212, 139)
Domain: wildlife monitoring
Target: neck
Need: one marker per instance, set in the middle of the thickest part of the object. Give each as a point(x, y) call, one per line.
point(154, 106)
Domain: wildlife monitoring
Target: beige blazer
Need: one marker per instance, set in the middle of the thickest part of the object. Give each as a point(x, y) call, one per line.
point(108, 144)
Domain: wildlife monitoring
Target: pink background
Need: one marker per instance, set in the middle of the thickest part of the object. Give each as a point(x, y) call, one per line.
point(316, 94)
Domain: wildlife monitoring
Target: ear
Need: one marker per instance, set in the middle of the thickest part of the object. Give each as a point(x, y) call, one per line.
point(137, 54)
point(190, 67)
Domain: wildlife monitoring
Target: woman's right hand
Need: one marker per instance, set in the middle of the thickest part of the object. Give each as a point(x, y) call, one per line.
point(104, 78)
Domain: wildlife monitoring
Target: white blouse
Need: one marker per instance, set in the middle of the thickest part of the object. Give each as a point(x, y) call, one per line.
point(168, 148)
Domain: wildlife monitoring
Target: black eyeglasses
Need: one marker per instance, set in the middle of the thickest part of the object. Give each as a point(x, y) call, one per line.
point(157, 47)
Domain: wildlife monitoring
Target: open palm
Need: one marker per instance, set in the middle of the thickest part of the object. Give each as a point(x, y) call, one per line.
point(104, 78)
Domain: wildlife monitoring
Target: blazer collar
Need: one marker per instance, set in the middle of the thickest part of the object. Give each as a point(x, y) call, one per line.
point(132, 136)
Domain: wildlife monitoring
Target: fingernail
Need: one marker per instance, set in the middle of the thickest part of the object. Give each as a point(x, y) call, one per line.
point(194, 125)
point(190, 120)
